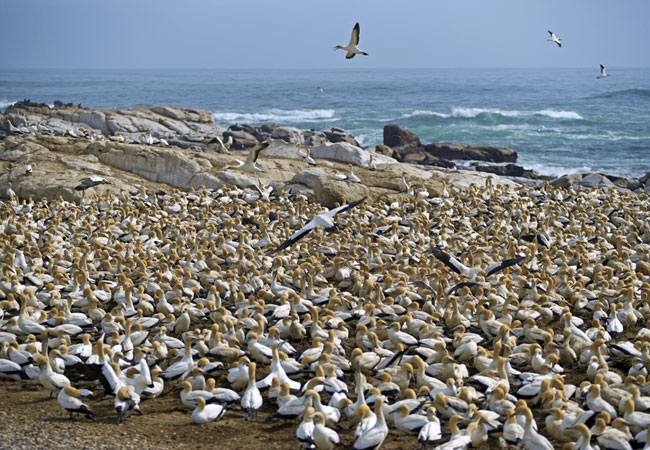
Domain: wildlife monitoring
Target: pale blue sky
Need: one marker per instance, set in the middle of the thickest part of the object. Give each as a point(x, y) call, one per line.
point(301, 33)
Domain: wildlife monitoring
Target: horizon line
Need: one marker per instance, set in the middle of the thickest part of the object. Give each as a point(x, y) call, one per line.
point(7, 69)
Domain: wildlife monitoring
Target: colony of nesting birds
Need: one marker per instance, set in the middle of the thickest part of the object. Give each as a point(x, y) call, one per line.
point(481, 315)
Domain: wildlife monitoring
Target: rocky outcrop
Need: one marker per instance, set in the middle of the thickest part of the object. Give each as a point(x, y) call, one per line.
point(448, 150)
point(398, 136)
point(327, 190)
point(339, 135)
point(347, 153)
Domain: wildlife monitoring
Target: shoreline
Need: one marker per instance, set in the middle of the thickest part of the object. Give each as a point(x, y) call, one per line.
point(191, 139)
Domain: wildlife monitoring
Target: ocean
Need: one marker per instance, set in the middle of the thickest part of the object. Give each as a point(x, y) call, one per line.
point(559, 120)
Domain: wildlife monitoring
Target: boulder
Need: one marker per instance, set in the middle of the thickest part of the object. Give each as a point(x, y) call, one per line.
point(398, 136)
point(566, 180)
point(595, 180)
point(327, 190)
point(644, 179)
point(241, 139)
point(287, 134)
point(314, 137)
point(346, 153)
point(507, 170)
point(157, 164)
point(448, 150)
point(338, 135)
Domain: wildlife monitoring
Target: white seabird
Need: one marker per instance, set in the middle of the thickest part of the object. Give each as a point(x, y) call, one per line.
point(323, 220)
point(28, 168)
point(472, 272)
point(554, 38)
point(352, 48)
point(250, 164)
point(602, 72)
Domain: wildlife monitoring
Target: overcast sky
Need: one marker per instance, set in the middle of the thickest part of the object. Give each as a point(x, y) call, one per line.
point(301, 33)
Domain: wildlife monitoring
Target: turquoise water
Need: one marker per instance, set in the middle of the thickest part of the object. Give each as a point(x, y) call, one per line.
point(559, 120)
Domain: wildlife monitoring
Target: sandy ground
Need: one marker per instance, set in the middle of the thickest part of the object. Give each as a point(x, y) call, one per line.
point(29, 419)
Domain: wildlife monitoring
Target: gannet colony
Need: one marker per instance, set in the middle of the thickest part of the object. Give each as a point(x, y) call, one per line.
point(483, 316)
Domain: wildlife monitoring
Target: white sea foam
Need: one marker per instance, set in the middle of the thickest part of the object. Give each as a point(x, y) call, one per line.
point(276, 115)
point(470, 113)
point(555, 171)
point(4, 103)
point(424, 112)
point(559, 114)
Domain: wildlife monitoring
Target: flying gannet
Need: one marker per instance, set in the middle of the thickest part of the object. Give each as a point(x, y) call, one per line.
point(555, 39)
point(352, 48)
point(602, 72)
point(472, 272)
point(250, 164)
point(323, 220)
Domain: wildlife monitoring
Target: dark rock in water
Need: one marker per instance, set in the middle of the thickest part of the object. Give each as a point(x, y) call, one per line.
point(398, 136)
point(644, 179)
point(60, 104)
point(448, 150)
point(401, 152)
point(508, 170)
point(241, 140)
point(425, 159)
point(27, 106)
point(337, 135)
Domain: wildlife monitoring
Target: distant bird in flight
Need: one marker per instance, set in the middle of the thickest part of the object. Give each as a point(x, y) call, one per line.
point(320, 89)
point(555, 39)
point(602, 72)
point(352, 48)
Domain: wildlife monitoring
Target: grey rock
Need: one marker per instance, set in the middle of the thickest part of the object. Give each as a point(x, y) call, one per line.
point(566, 180)
point(347, 153)
point(595, 180)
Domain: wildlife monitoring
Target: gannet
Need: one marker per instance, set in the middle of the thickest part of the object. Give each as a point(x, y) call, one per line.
point(375, 436)
point(305, 431)
point(325, 438)
point(91, 181)
point(351, 176)
point(146, 138)
point(472, 272)
point(352, 49)
point(68, 398)
point(308, 159)
point(223, 147)
point(555, 39)
point(250, 164)
point(251, 401)
point(13, 129)
point(320, 89)
point(602, 72)
point(403, 185)
point(126, 401)
point(207, 413)
point(28, 168)
point(323, 220)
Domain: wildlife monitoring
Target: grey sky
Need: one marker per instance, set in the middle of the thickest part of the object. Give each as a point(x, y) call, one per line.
point(302, 33)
